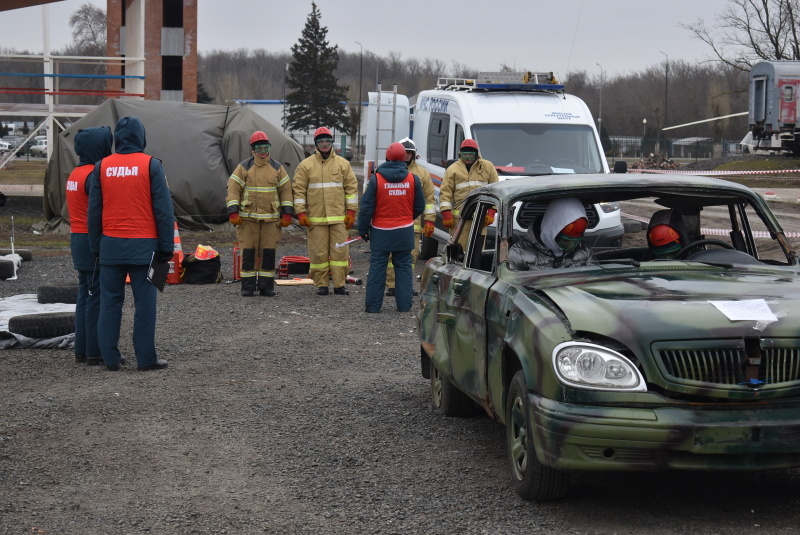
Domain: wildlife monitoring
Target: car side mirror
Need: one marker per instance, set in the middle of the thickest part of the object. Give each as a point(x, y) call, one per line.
point(620, 166)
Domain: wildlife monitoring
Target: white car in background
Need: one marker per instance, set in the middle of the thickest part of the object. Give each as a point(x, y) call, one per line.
point(39, 148)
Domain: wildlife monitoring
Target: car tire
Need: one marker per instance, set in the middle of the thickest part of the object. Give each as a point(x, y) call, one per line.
point(428, 248)
point(6, 269)
point(59, 293)
point(532, 480)
point(446, 399)
point(48, 325)
point(25, 254)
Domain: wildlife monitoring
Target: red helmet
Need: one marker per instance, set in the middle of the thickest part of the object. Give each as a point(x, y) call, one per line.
point(258, 136)
point(469, 144)
point(322, 131)
point(662, 235)
point(576, 228)
point(396, 153)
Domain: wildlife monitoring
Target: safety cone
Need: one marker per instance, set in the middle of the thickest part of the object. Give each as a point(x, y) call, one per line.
point(176, 264)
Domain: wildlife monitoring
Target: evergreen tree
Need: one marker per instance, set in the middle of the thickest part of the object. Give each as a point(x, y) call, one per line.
point(316, 98)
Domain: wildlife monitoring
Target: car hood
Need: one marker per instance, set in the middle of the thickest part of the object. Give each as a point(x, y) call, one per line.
point(676, 305)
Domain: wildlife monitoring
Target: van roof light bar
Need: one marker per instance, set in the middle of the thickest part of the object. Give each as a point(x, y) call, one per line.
point(503, 81)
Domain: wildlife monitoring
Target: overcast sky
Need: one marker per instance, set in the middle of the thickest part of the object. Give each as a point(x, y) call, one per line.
point(538, 35)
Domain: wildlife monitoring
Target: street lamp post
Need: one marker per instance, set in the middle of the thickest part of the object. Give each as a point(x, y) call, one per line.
point(644, 132)
point(666, 95)
point(600, 111)
point(285, 73)
point(360, 100)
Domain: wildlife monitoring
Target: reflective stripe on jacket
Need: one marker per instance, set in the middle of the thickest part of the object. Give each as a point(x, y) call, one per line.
point(430, 195)
point(325, 188)
point(259, 189)
point(458, 182)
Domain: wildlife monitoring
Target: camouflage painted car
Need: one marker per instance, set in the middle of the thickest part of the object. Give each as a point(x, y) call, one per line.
point(632, 362)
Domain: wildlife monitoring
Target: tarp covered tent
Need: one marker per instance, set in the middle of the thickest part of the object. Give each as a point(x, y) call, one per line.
point(199, 145)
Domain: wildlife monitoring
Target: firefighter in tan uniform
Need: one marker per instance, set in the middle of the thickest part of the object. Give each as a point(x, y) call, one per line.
point(259, 203)
point(469, 172)
point(325, 201)
point(424, 224)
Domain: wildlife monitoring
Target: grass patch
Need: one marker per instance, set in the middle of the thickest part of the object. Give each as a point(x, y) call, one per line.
point(765, 164)
point(21, 171)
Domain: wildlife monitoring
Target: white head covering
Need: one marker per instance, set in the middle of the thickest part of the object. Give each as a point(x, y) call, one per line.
point(559, 214)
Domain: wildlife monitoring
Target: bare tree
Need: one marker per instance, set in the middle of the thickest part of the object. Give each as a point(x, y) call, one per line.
point(88, 25)
point(752, 30)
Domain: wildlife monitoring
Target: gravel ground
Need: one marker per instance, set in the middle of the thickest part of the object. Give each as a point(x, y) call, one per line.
point(298, 414)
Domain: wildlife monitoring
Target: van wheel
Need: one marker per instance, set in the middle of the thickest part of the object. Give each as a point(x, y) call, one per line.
point(428, 248)
point(25, 254)
point(532, 480)
point(47, 325)
point(59, 293)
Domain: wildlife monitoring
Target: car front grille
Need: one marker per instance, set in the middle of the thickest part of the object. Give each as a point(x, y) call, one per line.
point(731, 366)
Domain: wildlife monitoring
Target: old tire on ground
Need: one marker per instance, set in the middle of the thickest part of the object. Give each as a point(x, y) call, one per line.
point(428, 248)
point(47, 325)
point(6, 269)
point(25, 254)
point(446, 399)
point(58, 293)
point(532, 480)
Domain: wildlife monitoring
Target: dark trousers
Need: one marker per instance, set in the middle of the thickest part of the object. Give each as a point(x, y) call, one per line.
point(112, 297)
point(376, 282)
point(87, 309)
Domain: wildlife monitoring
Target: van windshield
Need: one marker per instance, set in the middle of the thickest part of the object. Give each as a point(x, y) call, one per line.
point(539, 149)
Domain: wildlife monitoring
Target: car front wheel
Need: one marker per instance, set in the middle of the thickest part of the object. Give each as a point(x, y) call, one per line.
point(532, 480)
point(446, 399)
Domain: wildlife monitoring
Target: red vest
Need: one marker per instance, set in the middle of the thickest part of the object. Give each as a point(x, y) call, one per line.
point(127, 206)
point(78, 200)
point(394, 203)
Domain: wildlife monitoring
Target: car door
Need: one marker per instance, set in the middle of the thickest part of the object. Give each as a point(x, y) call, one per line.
point(464, 284)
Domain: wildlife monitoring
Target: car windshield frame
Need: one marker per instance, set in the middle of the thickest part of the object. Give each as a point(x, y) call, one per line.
point(532, 149)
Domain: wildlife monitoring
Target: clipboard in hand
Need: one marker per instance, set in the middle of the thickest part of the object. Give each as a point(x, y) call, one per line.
point(157, 273)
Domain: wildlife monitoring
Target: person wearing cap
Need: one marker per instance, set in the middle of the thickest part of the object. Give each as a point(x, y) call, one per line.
point(554, 242)
point(666, 234)
point(326, 201)
point(131, 225)
point(91, 145)
point(259, 203)
point(394, 198)
point(424, 224)
point(470, 171)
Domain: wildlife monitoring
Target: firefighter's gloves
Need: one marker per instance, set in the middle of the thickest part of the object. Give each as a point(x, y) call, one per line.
point(365, 237)
point(489, 218)
point(164, 256)
point(427, 230)
point(447, 219)
point(286, 220)
point(349, 219)
point(302, 218)
point(234, 218)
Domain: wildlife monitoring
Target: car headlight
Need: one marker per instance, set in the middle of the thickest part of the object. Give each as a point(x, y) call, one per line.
point(593, 367)
point(609, 207)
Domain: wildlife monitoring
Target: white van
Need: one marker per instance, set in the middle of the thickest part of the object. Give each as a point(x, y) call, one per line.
point(524, 124)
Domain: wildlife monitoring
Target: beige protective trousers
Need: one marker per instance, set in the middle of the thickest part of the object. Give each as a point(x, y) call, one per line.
point(325, 260)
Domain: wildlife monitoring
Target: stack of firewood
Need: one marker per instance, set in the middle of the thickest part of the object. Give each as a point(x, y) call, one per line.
point(655, 161)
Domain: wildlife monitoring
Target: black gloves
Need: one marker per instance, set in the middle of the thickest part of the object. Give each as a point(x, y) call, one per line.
point(163, 256)
point(365, 237)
